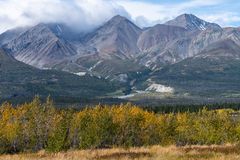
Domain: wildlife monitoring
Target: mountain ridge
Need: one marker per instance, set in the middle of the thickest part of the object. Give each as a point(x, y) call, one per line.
point(191, 22)
point(117, 38)
point(121, 52)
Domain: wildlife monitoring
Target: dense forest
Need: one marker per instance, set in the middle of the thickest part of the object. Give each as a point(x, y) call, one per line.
point(38, 125)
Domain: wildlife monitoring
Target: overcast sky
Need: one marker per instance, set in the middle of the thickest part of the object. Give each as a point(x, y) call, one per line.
point(85, 15)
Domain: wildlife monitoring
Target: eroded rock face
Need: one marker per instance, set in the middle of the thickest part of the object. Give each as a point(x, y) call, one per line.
point(118, 36)
point(40, 47)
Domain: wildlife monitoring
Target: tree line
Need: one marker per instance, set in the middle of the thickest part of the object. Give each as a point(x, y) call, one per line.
point(40, 125)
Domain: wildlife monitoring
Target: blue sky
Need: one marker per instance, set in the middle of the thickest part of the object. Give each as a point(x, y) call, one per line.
point(85, 15)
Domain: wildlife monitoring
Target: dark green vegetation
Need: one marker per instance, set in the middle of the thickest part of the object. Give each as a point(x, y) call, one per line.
point(195, 80)
point(35, 126)
point(213, 73)
point(203, 77)
point(190, 108)
point(19, 81)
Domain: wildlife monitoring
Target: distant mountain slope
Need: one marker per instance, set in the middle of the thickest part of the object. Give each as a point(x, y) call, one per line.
point(57, 46)
point(163, 44)
point(227, 49)
point(117, 37)
point(213, 72)
point(110, 50)
point(20, 80)
point(196, 36)
point(159, 35)
point(40, 47)
point(11, 34)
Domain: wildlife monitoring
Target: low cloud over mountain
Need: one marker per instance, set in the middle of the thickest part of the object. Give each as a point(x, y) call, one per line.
point(82, 15)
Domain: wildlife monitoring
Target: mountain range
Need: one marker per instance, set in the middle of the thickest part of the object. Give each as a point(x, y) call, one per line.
point(186, 57)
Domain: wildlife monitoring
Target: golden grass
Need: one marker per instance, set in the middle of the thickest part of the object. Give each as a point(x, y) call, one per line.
point(226, 152)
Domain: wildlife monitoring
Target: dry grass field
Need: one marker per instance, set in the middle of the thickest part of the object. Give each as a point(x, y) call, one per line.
point(226, 152)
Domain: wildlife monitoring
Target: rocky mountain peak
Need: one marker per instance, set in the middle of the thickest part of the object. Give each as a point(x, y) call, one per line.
point(40, 46)
point(118, 20)
point(119, 35)
point(191, 22)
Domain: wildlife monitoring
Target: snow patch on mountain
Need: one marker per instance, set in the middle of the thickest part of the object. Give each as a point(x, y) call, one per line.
point(80, 73)
point(95, 65)
point(202, 27)
point(123, 77)
point(160, 88)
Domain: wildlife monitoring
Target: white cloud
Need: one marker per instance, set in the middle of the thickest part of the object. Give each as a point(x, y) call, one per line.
point(82, 14)
point(224, 19)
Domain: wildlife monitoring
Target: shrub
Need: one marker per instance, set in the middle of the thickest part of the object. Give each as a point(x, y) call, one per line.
point(36, 125)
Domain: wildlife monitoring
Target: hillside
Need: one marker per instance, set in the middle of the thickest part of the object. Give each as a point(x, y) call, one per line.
point(18, 80)
point(163, 61)
point(212, 73)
